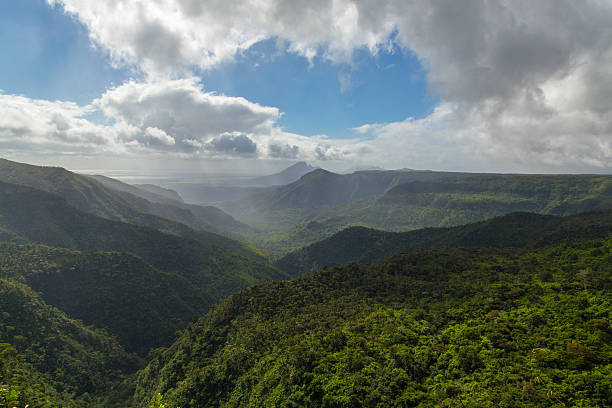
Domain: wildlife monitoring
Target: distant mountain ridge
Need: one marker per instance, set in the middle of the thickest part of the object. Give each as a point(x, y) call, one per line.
point(165, 192)
point(320, 187)
point(286, 176)
point(112, 199)
point(515, 230)
point(322, 203)
point(318, 196)
point(195, 216)
point(149, 193)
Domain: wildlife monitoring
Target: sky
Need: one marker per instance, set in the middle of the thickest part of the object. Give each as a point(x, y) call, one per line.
point(161, 85)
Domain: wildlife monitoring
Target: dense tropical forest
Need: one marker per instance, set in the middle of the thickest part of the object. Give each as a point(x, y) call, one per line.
point(119, 295)
point(516, 230)
point(449, 327)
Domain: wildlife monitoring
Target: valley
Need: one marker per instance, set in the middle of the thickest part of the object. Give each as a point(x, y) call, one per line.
point(375, 288)
point(306, 204)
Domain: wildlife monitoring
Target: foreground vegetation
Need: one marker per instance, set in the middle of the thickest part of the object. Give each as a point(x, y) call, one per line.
point(140, 305)
point(513, 311)
point(50, 360)
point(451, 327)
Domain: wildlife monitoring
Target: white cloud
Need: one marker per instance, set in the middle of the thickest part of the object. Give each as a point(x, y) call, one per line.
point(283, 151)
point(184, 112)
point(173, 117)
point(51, 127)
point(520, 81)
point(233, 144)
point(155, 135)
point(448, 139)
point(163, 36)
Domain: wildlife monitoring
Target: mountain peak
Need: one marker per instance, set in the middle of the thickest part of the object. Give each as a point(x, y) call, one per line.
point(298, 168)
point(317, 172)
point(286, 176)
point(299, 165)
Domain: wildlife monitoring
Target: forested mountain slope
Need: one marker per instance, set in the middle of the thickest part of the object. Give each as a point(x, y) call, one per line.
point(554, 194)
point(452, 327)
point(160, 191)
point(148, 192)
point(438, 203)
point(50, 360)
point(207, 218)
point(121, 204)
point(515, 230)
point(140, 305)
point(29, 215)
point(321, 188)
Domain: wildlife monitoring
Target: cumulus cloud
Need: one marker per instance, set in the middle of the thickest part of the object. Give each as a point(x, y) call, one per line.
point(232, 144)
point(283, 151)
point(171, 117)
point(523, 78)
point(519, 80)
point(154, 136)
point(164, 36)
point(44, 126)
point(188, 116)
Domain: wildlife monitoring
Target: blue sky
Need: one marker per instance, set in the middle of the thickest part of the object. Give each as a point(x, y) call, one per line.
point(477, 85)
point(312, 97)
point(50, 56)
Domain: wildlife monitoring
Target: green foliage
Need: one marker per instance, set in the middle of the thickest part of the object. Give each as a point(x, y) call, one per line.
point(139, 304)
point(43, 218)
point(158, 402)
point(516, 230)
point(322, 203)
point(528, 325)
point(444, 328)
point(92, 197)
point(21, 385)
point(48, 358)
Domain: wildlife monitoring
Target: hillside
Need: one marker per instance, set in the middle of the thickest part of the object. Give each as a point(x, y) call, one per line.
point(553, 194)
point(452, 327)
point(122, 203)
point(318, 194)
point(140, 305)
point(461, 200)
point(50, 360)
point(321, 188)
point(160, 191)
point(516, 230)
point(81, 192)
point(158, 202)
point(449, 202)
point(31, 215)
point(149, 192)
point(442, 202)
